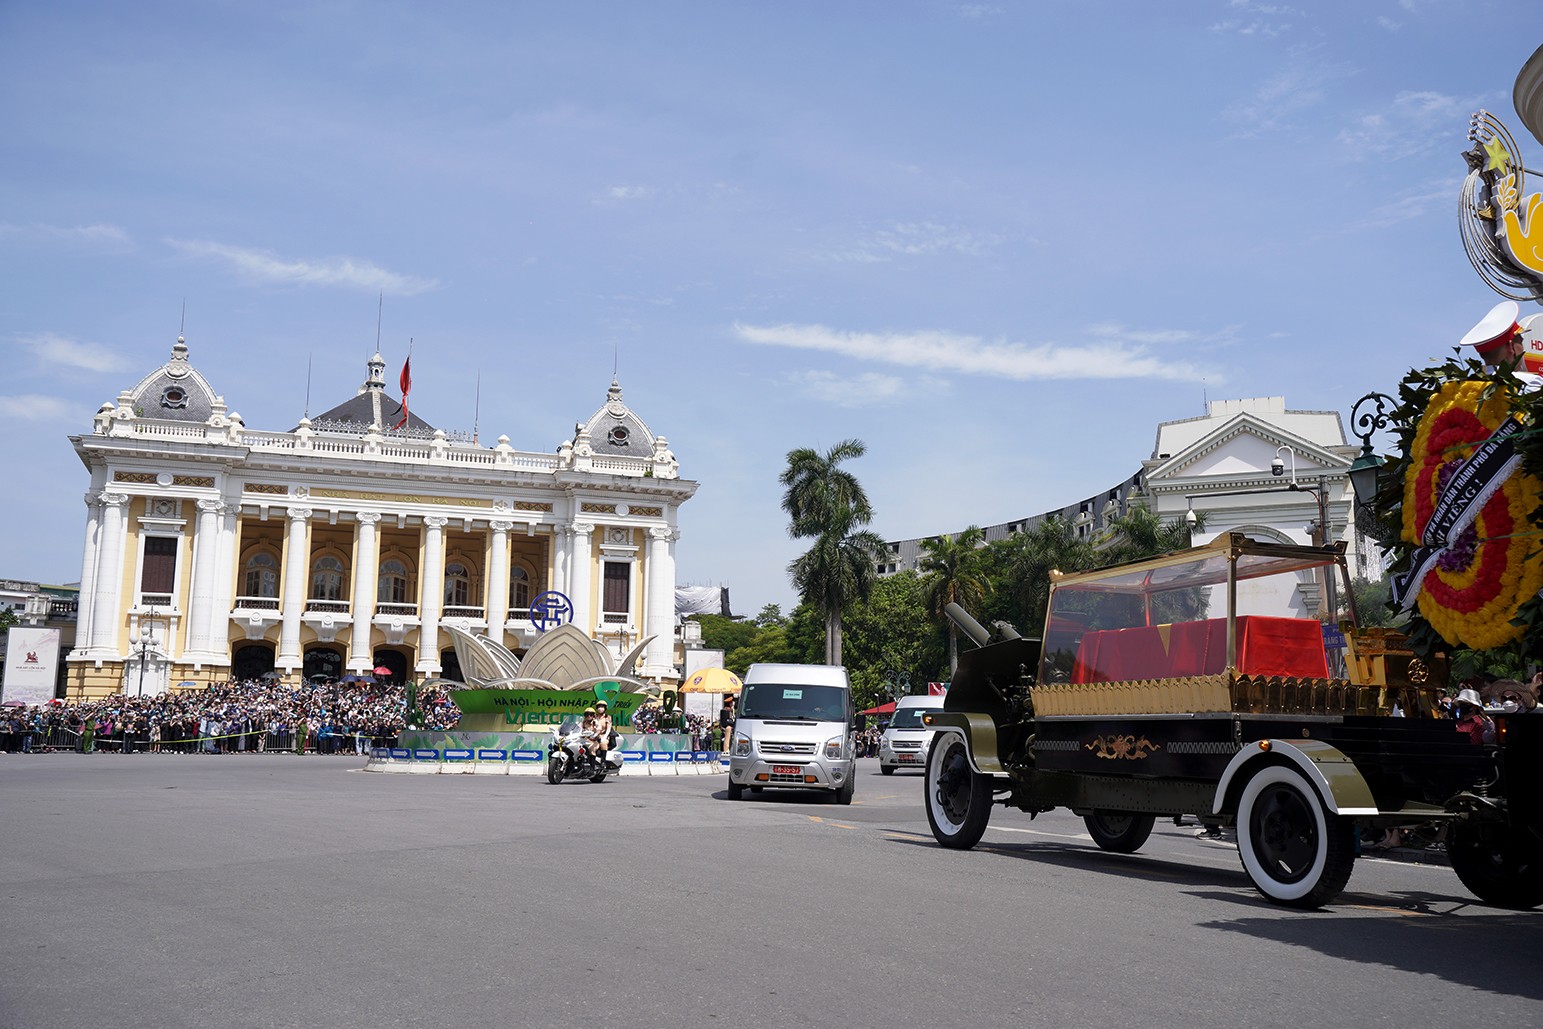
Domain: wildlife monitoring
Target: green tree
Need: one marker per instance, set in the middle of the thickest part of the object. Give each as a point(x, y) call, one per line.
point(890, 640)
point(1140, 533)
point(827, 503)
point(1373, 598)
point(835, 572)
point(954, 575)
point(1020, 568)
point(725, 634)
point(818, 494)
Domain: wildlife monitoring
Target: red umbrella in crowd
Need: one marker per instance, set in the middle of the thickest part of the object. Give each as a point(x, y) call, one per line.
point(382, 670)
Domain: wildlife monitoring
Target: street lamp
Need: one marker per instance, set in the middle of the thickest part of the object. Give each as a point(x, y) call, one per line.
point(1367, 465)
point(144, 640)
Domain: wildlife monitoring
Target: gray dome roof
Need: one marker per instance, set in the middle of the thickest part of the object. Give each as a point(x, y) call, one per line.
point(175, 391)
point(615, 429)
point(372, 405)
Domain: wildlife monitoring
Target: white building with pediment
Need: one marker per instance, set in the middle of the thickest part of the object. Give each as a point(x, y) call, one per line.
point(213, 551)
point(1220, 465)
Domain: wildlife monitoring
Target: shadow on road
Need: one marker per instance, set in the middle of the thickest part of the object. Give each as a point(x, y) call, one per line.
point(1494, 951)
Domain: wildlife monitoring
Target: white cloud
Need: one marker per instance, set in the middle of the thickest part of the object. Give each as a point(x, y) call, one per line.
point(52, 349)
point(1300, 86)
point(97, 233)
point(863, 390)
point(978, 12)
point(1107, 358)
point(1411, 125)
point(1265, 20)
point(1417, 202)
point(35, 407)
point(346, 272)
point(915, 239)
point(621, 194)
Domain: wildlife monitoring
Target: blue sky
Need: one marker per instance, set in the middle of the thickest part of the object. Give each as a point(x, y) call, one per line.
point(997, 241)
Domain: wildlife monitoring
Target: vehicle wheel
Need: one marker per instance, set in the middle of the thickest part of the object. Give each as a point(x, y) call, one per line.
point(598, 776)
point(848, 788)
point(1498, 868)
point(757, 789)
point(736, 791)
point(1118, 831)
point(958, 797)
point(1296, 853)
point(554, 771)
point(886, 769)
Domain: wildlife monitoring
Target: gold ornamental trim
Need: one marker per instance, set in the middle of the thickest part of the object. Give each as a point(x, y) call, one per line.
point(588, 507)
point(1121, 748)
point(530, 505)
point(266, 487)
point(1137, 697)
point(145, 477)
point(648, 512)
point(398, 498)
point(202, 481)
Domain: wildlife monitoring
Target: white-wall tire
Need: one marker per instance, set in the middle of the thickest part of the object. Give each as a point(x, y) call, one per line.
point(1295, 851)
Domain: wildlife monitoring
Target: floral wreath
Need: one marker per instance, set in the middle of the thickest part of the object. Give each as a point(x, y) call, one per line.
point(1482, 592)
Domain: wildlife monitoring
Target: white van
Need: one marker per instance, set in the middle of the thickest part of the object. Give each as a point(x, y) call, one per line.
point(904, 744)
point(794, 729)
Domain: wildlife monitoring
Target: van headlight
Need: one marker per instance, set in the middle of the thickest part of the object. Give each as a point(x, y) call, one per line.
point(741, 746)
point(835, 748)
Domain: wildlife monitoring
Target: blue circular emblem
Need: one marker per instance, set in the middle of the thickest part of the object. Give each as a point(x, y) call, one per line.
point(549, 610)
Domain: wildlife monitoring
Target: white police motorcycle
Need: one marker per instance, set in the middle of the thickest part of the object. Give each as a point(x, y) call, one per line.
point(567, 757)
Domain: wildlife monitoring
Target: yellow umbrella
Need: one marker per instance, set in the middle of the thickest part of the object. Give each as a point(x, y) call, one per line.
point(711, 680)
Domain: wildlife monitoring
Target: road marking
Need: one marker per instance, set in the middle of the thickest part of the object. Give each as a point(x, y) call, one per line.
point(1039, 832)
point(1391, 910)
point(837, 825)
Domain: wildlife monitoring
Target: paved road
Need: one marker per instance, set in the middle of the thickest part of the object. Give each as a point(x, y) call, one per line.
point(247, 890)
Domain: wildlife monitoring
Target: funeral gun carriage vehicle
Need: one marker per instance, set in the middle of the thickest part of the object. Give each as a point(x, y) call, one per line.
point(1204, 682)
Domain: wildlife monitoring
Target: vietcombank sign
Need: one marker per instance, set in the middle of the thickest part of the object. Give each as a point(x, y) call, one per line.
point(512, 710)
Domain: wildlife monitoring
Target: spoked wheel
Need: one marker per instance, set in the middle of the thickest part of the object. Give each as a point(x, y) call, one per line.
point(554, 771)
point(1296, 853)
point(958, 797)
point(1499, 867)
point(1118, 831)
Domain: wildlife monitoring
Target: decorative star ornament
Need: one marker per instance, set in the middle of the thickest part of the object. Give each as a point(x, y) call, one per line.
point(1499, 159)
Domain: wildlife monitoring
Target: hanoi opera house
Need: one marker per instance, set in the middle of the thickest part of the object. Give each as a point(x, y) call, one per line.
point(213, 551)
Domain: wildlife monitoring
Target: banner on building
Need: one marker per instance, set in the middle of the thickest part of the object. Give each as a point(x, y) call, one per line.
point(31, 665)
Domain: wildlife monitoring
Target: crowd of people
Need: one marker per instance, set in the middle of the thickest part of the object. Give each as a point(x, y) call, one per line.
point(230, 717)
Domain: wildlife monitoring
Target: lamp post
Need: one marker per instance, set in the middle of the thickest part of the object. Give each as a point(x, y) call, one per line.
point(144, 640)
point(1363, 425)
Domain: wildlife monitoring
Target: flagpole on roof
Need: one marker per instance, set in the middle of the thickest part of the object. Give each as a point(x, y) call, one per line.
point(476, 410)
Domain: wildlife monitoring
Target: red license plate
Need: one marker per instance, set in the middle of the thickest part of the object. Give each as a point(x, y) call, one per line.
point(906, 759)
point(787, 770)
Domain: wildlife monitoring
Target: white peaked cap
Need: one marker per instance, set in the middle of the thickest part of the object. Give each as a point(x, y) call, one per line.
point(1494, 328)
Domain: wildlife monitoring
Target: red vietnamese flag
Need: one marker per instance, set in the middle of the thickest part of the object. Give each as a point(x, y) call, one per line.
point(407, 386)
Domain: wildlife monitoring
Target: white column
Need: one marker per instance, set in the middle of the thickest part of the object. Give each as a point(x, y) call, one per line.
point(562, 543)
point(201, 590)
point(580, 568)
point(297, 559)
point(224, 585)
point(431, 593)
point(498, 581)
point(361, 655)
point(106, 608)
point(88, 574)
point(659, 602)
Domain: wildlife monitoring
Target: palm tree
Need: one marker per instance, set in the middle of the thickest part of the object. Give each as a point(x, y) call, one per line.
point(819, 494)
point(829, 504)
point(1032, 555)
point(953, 568)
point(1140, 533)
point(838, 570)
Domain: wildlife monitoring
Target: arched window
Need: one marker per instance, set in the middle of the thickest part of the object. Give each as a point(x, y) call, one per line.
point(457, 585)
point(262, 576)
point(327, 579)
point(393, 582)
point(519, 589)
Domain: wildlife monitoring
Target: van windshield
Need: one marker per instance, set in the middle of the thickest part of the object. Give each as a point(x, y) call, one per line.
point(800, 703)
point(911, 717)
